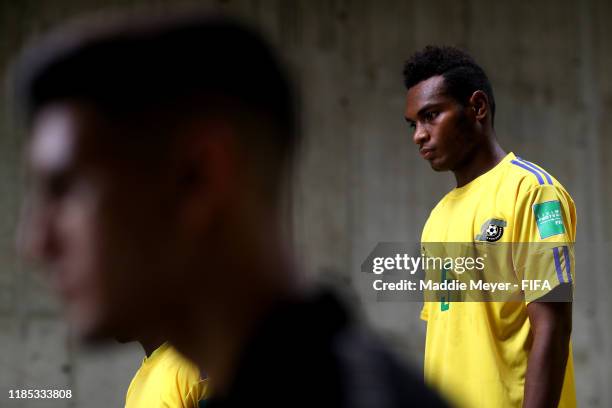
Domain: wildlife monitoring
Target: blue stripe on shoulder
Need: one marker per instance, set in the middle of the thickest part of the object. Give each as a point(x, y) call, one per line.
point(558, 264)
point(539, 169)
point(568, 264)
point(529, 169)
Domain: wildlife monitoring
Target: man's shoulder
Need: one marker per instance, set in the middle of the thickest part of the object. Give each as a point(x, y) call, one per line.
point(524, 176)
point(175, 364)
point(438, 209)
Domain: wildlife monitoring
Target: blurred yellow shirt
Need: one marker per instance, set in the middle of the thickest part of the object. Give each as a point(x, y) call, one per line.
point(166, 379)
point(476, 352)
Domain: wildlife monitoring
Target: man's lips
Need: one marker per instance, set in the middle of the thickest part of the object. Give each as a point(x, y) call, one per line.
point(426, 152)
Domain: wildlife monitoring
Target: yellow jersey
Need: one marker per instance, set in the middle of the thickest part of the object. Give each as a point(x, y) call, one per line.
point(476, 352)
point(166, 379)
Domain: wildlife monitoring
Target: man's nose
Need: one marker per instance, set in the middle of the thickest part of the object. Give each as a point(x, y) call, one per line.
point(420, 135)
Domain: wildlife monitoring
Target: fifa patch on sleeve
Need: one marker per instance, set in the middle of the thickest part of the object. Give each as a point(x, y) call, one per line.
point(549, 218)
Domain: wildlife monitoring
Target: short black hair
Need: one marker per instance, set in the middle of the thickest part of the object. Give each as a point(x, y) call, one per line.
point(462, 75)
point(152, 65)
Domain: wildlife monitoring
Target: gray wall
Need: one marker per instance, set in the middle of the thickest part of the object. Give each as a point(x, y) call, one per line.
point(359, 179)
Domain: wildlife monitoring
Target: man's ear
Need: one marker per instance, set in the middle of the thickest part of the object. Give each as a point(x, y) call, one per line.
point(207, 167)
point(479, 103)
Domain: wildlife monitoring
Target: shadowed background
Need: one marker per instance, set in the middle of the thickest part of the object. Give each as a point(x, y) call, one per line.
point(359, 179)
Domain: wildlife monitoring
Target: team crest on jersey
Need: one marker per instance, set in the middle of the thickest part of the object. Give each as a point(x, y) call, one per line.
point(492, 230)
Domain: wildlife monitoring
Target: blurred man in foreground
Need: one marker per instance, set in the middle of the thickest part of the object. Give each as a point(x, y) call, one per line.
point(158, 151)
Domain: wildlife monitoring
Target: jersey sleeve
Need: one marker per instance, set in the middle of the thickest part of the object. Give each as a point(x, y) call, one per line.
point(543, 238)
point(198, 392)
point(183, 389)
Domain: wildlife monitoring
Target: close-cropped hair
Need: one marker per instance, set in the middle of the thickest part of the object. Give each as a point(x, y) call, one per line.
point(462, 75)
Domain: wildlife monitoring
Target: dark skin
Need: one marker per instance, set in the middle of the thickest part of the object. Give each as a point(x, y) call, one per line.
point(460, 138)
point(551, 324)
point(452, 136)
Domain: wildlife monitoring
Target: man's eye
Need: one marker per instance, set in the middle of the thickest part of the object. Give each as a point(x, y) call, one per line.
point(412, 126)
point(431, 115)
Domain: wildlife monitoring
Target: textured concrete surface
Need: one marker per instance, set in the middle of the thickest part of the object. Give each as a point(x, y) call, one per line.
point(360, 180)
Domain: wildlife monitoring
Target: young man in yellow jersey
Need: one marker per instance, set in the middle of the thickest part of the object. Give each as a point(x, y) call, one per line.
point(166, 379)
point(491, 354)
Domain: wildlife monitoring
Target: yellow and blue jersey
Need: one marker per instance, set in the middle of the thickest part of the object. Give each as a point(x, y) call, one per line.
point(166, 379)
point(476, 353)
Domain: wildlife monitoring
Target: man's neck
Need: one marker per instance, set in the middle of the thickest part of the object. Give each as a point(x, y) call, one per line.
point(482, 160)
point(149, 345)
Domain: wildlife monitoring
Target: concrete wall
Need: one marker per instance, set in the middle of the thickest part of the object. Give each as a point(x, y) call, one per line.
point(360, 180)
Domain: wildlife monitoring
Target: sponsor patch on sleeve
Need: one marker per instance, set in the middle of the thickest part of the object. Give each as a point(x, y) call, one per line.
point(549, 218)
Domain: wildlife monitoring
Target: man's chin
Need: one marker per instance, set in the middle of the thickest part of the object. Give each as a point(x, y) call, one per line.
point(438, 165)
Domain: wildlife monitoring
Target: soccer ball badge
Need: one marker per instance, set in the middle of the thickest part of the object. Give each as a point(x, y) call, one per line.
point(492, 230)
